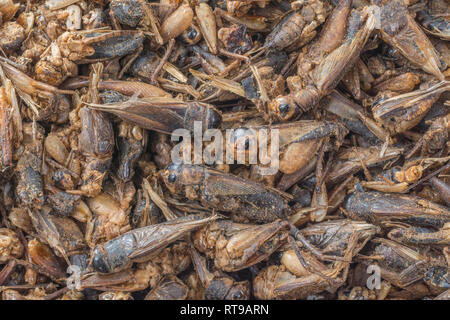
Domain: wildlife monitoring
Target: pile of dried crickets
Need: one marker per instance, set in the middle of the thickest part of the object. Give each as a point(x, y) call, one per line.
point(98, 100)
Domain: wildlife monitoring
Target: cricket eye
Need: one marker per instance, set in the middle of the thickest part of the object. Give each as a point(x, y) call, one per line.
point(192, 34)
point(284, 108)
point(172, 177)
point(237, 295)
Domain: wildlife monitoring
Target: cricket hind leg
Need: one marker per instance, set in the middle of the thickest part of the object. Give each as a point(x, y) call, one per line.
point(298, 236)
point(332, 273)
point(306, 265)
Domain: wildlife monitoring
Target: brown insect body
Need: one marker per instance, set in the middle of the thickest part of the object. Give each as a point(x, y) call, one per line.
point(378, 207)
point(140, 244)
point(164, 114)
point(225, 192)
point(329, 71)
point(236, 246)
point(290, 280)
point(400, 30)
point(402, 112)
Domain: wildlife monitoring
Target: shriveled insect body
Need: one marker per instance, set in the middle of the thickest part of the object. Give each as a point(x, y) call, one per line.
point(443, 296)
point(332, 236)
point(177, 22)
point(225, 192)
point(322, 79)
point(109, 44)
point(140, 244)
point(402, 83)
point(223, 287)
point(130, 152)
point(288, 31)
point(130, 142)
point(315, 14)
point(352, 116)
point(376, 207)
point(235, 39)
point(291, 280)
point(28, 85)
point(402, 112)
point(43, 256)
point(162, 147)
point(128, 12)
point(434, 138)
point(421, 236)
point(359, 293)
point(127, 88)
point(171, 261)
point(399, 30)
point(44, 102)
point(61, 233)
point(207, 23)
point(443, 189)
point(96, 142)
point(436, 25)
point(169, 288)
point(236, 246)
point(110, 217)
point(6, 131)
point(10, 245)
point(400, 265)
point(63, 203)
point(395, 179)
point(30, 188)
point(352, 160)
point(327, 105)
point(403, 266)
point(276, 282)
point(357, 35)
point(147, 63)
point(240, 8)
point(438, 276)
point(124, 281)
point(8, 9)
point(72, 48)
point(164, 114)
point(218, 285)
point(35, 294)
point(408, 174)
point(296, 140)
point(330, 38)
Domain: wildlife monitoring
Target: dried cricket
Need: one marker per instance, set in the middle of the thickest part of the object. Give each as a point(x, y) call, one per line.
point(139, 245)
